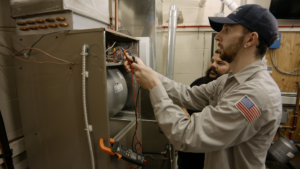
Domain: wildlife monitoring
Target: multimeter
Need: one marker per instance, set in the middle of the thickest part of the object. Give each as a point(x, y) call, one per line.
point(123, 152)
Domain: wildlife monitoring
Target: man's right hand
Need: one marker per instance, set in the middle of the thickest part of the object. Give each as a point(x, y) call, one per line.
point(145, 76)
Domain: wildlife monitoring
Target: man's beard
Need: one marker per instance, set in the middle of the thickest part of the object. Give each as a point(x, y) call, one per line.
point(231, 51)
point(208, 78)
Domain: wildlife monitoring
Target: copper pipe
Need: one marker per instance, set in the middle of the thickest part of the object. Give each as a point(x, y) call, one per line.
point(116, 15)
point(285, 127)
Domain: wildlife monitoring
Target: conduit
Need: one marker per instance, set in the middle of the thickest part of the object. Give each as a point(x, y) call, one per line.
point(88, 129)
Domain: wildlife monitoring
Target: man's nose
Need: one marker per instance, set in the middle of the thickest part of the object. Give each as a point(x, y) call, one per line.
point(214, 65)
point(218, 37)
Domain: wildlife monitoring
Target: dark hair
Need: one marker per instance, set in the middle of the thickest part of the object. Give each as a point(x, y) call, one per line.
point(262, 46)
point(217, 51)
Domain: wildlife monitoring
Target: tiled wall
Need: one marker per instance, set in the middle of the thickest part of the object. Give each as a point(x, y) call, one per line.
point(193, 45)
point(192, 55)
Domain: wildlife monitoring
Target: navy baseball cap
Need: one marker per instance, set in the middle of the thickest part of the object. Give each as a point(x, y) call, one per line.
point(254, 17)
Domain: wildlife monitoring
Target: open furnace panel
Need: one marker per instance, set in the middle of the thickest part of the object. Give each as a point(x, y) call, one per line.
point(51, 98)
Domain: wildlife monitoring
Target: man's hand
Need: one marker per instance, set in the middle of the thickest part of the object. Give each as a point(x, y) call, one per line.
point(144, 75)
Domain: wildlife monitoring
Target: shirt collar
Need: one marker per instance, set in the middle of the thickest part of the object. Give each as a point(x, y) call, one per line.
point(248, 71)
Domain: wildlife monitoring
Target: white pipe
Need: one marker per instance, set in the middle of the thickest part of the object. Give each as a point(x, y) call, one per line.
point(173, 15)
point(88, 129)
point(230, 4)
point(202, 3)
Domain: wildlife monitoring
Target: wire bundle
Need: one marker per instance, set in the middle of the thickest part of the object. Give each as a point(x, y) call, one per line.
point(115, 54)
point(273, 58)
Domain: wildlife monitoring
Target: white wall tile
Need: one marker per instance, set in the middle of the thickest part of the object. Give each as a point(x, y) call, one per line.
point(188, 67)
point(207, 40)
point(186, 79)
point(195, 55)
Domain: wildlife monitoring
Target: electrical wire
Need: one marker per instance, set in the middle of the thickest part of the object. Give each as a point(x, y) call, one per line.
point(15, 55)
point(111, 46)
point(137, 98)
point(43, 36)
point(8, 48)
point(130, 166)
point(273, 58)
point(157, 157)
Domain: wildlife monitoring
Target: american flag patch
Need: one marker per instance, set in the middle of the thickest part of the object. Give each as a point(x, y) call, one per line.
point(248, 108)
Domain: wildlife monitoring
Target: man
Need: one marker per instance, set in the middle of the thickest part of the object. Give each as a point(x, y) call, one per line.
point(216, 68)
point(244, 107)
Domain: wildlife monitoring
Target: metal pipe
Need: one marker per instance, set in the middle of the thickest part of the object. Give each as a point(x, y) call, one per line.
point(173, 14)
point(116, 15)
point(124, 131)
point(285, 127)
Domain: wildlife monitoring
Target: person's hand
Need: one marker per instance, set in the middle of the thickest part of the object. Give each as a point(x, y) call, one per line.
point(144, 75)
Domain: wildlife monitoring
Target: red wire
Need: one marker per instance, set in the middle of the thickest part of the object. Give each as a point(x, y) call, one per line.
point(130, 166)
point(139, 142)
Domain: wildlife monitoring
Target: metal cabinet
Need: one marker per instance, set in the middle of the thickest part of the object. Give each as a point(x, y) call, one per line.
point(51, 99)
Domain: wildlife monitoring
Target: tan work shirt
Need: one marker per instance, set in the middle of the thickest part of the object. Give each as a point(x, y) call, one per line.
point(232, 136)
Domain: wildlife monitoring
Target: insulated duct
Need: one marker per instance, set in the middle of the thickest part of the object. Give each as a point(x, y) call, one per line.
point(173, 14)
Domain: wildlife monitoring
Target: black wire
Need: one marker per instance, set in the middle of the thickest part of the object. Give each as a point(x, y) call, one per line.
point(137, 98)
point(43, 36)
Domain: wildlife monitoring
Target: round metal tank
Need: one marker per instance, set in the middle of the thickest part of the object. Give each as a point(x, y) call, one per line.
point(283, 150)
point(116, 91)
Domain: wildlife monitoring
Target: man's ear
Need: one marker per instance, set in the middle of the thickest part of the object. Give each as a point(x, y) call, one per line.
point(251, 39)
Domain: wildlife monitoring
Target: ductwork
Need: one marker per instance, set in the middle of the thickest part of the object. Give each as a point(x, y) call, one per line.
point(173, 14)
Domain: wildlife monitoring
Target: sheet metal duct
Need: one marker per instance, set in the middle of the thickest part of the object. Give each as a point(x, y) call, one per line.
point(173, 14)
point(143, 18)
